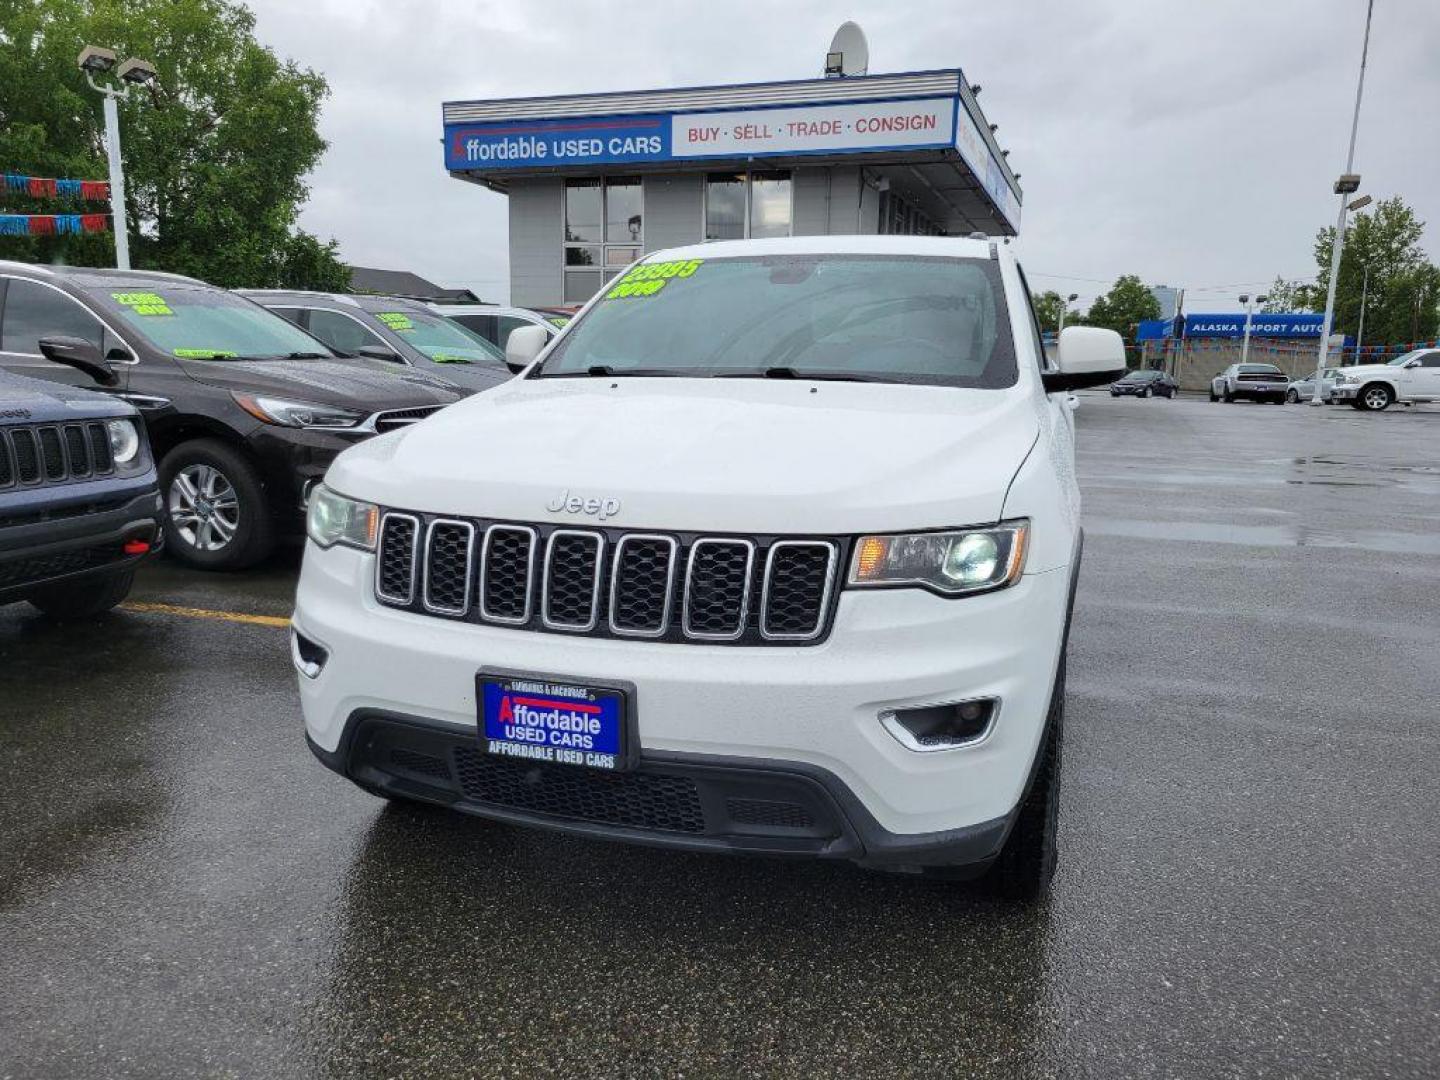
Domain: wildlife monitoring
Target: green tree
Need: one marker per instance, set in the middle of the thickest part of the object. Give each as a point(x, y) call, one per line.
point(216, 151)
point(1285, 296)
point(1048, 306)
point(1403, 287)
point(1122, 309)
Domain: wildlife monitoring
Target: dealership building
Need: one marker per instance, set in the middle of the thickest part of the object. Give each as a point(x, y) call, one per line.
point(596, 180)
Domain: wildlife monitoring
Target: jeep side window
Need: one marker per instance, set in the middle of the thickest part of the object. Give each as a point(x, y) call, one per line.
point(1430, 360)
point(34, 311)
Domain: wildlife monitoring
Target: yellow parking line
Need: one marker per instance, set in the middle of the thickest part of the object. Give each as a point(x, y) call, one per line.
point(205, 613)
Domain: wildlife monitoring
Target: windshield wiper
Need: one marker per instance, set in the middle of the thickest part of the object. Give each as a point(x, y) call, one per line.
point(796, 373)
point(608, 372)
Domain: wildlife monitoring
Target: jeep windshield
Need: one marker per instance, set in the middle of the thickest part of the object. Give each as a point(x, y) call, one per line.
point(208, 324)
point(442, 340)
point(868, 318)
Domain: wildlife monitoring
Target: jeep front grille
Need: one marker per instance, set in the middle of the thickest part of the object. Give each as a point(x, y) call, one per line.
point(53, 453)
point(677, 587)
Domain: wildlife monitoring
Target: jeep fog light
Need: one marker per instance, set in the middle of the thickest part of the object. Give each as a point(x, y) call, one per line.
point(942, 727)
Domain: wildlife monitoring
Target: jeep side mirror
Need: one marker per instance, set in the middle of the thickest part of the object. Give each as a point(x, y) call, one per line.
point(379, 352)
point(523, 345)
point(1088, 356)
point(80, 354)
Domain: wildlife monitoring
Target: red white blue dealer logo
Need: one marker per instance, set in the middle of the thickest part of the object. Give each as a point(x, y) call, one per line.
point(561, 723)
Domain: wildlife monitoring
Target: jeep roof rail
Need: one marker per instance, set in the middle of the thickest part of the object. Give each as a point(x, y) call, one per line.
point(344, 298)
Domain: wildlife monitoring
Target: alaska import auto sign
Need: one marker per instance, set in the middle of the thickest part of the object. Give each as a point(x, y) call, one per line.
point(1299, 324)
point(618, 140)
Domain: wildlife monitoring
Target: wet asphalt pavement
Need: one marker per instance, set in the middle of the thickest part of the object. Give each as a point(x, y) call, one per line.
point(1250, 883)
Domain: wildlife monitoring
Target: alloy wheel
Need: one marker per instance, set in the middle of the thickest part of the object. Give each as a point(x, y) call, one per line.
point(1377, 397)
point(204, 507)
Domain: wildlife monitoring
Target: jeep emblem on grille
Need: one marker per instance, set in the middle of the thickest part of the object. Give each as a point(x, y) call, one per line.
point(575, 504)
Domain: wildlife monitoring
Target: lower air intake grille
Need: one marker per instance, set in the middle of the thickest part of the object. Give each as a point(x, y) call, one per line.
point(629, 800)
point(771, 815)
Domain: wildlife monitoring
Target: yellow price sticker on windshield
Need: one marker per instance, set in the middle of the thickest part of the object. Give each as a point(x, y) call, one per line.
point(647, 279)
point(202, 354)
point(143, 303)
point(396, 320)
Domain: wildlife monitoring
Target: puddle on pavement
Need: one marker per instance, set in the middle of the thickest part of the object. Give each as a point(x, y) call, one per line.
point(1202, 532)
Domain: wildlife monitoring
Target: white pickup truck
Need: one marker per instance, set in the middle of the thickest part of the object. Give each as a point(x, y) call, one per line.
point(772, 550)
point(1410, 378)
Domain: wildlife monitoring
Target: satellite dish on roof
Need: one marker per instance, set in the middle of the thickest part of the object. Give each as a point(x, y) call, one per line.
point(849, 53)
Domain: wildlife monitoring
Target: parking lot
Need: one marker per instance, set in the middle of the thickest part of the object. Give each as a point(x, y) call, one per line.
point(1250, 878)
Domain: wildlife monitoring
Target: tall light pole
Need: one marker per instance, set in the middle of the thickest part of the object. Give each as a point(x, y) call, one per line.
point(1063, 305)
point(95, 61)
point(1347, 185)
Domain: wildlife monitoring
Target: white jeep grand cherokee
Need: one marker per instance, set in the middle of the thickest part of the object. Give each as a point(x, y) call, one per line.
point(773, 550)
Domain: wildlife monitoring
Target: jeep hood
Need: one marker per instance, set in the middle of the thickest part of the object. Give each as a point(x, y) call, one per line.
point(26, 400)
point(710, 455)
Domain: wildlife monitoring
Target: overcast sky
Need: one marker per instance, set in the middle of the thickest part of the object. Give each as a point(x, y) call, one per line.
point(1192, 143)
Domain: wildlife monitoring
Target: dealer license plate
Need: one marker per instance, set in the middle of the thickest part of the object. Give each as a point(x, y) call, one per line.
point(534, 718)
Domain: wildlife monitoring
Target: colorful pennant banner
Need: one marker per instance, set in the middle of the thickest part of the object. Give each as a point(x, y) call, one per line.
point(43, 187)
point(52, 224)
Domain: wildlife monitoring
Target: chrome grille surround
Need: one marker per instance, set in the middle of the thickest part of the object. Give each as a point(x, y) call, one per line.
point(656, 586)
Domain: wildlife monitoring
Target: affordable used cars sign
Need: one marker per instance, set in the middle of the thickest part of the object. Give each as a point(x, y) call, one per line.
point(588, 140)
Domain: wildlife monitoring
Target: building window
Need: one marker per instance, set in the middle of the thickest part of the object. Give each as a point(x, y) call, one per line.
point(604, 227)
point(901, 217)
point(740, 205)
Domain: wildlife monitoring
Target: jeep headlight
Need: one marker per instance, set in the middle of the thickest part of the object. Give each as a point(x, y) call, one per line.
point(950, 562)
point(124, 441)
point(332, 519)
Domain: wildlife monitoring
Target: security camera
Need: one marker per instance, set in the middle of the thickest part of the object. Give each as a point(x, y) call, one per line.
point(95, 60)
point(975, 88)
point(136, 71)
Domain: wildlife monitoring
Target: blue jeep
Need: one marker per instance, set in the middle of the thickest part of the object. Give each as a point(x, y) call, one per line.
point(79, 503)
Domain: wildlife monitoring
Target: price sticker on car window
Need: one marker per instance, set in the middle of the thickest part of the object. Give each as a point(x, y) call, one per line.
point(647, 279)
point(142, 303)
point(396, 320)
point(204, 354)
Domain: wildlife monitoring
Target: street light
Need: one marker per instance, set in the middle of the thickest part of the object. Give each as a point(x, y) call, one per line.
point(1068, 301)
point(1347, 185)
point(95, 61)
point(1249, 308)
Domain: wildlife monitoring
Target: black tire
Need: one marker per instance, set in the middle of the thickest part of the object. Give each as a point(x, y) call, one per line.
point(1291, 397)
point(1227, 396)
point(253, 534)
point(1374, 397)
point(1278, 399)
point(1144, 392)
point(1026, 864)
point(1214, 396)
point(84, 598)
